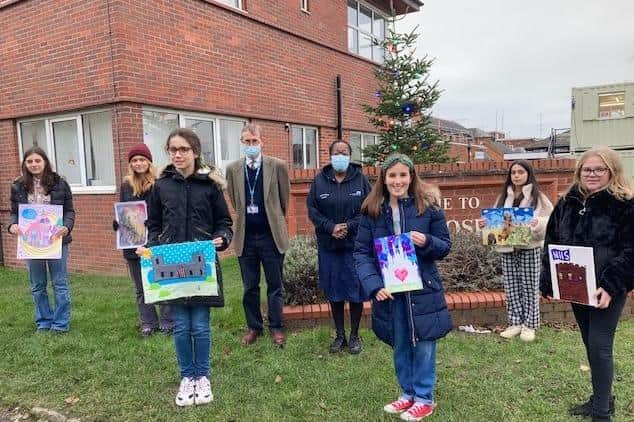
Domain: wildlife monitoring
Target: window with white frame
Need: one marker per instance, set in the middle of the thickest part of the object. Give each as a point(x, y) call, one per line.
point(612, 105)
point(233, 3)
point(303, 4)
point(304, 147)
point(79, 147)
point(365, 25)
point(358, 142)
point(219, 135)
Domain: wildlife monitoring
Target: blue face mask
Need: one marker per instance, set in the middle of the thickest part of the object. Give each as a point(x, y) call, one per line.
point(252, 151)
point(340, 162)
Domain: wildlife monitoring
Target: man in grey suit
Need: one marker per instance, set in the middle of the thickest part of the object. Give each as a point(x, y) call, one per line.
point(259, 187)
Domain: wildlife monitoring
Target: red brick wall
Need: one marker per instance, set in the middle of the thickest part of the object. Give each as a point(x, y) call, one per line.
point(465, 188)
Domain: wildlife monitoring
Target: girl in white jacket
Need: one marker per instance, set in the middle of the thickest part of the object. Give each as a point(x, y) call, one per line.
point(521, 264)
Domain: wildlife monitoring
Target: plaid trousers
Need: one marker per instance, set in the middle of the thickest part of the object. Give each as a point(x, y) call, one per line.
point(521, 282)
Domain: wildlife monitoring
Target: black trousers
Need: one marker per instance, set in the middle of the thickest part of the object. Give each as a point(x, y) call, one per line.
point(260, 249)
point(598, 327)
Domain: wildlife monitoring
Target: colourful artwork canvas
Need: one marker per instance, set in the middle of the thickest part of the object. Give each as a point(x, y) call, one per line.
point(572, 273)
point(507, 226)
point(38, 223)
point(398, 262)
point(179, 270)
point(131, 217)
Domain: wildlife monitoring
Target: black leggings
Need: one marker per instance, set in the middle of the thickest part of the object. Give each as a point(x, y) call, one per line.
point(598, 327)
point(356, 309)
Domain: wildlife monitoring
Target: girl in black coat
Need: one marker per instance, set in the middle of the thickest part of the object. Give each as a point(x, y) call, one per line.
point(187, 204)
point(40, 185)
point(136, 187)
point(597, 211)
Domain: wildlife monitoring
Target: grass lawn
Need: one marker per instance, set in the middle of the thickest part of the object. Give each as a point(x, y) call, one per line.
point(108, 372)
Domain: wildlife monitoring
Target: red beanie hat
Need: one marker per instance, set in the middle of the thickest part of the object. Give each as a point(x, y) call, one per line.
point(139, 149)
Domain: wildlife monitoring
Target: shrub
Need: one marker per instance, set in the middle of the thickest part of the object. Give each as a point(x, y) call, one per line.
point(471, 266)
point(301, 273)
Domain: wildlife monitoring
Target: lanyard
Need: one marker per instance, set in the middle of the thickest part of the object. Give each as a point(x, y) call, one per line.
point(246, 175)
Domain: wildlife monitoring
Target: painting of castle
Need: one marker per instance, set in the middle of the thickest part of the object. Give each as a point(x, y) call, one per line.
point(572, 273)
point(38, 224)
point(179, 270)
point(399, 266)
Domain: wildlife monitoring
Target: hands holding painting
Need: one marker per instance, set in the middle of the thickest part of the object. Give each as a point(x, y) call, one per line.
point(143, 251)
point(383, 294)
point(63, 231)
point(603, 298)
point(340, 231)
point(14, 229)
point(534, 222)
point(418, 238)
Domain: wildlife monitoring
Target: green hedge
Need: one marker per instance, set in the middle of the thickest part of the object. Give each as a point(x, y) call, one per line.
point(470, 266)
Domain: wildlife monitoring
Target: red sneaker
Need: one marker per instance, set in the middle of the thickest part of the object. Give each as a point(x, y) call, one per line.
point(398, 406)
point(418, 411)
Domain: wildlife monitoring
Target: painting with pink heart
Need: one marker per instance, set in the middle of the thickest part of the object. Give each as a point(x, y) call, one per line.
point(399, 266)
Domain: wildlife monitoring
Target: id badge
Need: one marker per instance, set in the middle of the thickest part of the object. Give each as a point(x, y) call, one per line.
point(252, 209)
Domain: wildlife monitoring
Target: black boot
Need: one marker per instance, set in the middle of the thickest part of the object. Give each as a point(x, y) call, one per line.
point(339, 343)
point(355, 345)
point(585, 409)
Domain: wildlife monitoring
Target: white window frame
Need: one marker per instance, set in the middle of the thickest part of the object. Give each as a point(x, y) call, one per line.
point(377, 139)
point(303, 128)
point(359, 31)
point(607, 94)
point(304, 5)
point(182, 115)
point(239, 4)
point(50, 147)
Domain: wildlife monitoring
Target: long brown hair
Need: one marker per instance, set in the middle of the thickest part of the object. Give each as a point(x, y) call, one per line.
point(530, 180)
point(424, 194)
point(141, 183)
point(47, 179)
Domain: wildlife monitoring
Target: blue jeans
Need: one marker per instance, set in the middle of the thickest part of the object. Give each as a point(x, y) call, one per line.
point(415, 365)
point(192, 339)
point(45, 318)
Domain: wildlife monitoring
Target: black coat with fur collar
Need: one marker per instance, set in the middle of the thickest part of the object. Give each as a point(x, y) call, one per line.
point(186, 210)
point(602, 222)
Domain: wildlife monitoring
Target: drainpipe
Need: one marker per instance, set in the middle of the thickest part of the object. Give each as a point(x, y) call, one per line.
point(339, 111)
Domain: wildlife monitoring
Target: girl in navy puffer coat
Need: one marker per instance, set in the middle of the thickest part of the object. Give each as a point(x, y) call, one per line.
point(410, 322)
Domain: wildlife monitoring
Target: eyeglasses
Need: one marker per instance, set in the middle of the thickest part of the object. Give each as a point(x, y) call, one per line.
point(182, 150)
point(598, 171)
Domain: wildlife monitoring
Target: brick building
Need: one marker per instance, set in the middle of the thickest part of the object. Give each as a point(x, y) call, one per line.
point(86, 79)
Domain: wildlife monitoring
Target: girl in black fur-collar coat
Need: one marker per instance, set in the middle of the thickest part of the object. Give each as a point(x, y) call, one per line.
point(597, 211)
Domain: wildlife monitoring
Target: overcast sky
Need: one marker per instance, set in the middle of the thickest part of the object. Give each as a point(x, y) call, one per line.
point(522, 58)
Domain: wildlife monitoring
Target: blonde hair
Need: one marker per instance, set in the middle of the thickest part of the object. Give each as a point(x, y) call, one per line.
point(619, 184)
point(424, 194)
point(140, 183)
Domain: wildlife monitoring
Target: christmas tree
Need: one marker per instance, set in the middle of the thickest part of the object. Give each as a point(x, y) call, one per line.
point(405, 98)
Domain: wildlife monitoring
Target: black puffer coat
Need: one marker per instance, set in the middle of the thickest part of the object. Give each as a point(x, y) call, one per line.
point(602, 222)
point(187, 210)
point(60, 195)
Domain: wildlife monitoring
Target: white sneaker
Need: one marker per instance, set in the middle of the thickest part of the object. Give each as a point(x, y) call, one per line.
point(528, 334)
point(511, 331)
point(185, 395)
point(203, 393)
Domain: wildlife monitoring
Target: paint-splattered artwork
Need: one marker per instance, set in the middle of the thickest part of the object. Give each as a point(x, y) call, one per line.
point(131, 217)
point(507, 226)
point(37, 224)
point(399, 266)
point(572, 273)
point(179, 270)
